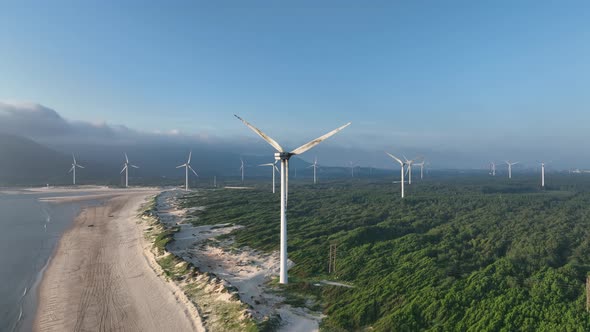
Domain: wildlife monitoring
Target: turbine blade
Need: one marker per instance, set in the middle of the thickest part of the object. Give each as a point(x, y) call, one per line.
point(133, 166)
point(74, 158)
point(126, 159)
point(269, 164)
point(71, 169)
point(80, 166)
point(123, 170)
point(183, 165)
point(269, 140)
point(189, 167)
point(190, 154)
point(277, 169)
point(318, 140)
point(396, 158)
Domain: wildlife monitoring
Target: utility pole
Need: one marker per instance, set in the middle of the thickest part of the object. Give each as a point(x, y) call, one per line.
point(332, 259)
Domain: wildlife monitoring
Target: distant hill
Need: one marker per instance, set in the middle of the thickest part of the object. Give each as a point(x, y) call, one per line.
point(26, 162)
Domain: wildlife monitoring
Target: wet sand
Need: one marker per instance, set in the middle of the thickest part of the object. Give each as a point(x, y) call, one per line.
point(102, 278)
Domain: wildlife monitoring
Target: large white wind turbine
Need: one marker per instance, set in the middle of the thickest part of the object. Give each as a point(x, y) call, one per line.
point(274, 169)
point(187, 166)
point(73, 169)
point(352, 165)
point(283, 156)
point(125, 169)
point(315, 168)
point(510, 167)
point(402, 164)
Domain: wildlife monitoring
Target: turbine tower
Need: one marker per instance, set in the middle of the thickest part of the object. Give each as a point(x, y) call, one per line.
point(510, 167)
point(542, 173)
point(187, 166)
point(125, 169)
point(351, 168)
point(283, 156)
point(493, 168)
point(73, 169)
point(315, 167)
point(242, 169)
point(421, 169)
point(274, 169)
point(409, 164)
point(402, 164)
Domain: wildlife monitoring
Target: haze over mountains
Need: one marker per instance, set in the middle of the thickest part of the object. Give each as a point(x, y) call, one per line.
point(37, 143)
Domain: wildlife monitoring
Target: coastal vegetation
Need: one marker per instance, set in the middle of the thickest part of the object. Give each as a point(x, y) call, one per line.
point(218, 305)
point(458, 253)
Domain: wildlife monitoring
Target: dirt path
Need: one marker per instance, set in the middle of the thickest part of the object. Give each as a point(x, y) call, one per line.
point(100, 280)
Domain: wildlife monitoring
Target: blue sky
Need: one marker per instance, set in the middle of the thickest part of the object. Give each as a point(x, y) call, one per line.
point(449, 75)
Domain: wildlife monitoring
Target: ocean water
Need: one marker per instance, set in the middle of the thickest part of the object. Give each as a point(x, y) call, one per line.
point(29, 232)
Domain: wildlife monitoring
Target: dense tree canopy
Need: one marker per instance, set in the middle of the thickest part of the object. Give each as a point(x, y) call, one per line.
point(466, 254)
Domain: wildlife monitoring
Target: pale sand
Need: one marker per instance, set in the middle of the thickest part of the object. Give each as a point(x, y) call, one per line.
point(246, 269)
point(102, 277)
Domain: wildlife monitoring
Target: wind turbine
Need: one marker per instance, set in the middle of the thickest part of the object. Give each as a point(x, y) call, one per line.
point(402, 164)
point(409, 163)
point(352, 166)
point(274, 169)
point(284, 156)
point(421, 169)
point(315, 167)
point(493, 168)
point(542, 173)
point(187, 166)
point(73, 169)
point(125, 169)
point(242, 169)
point(510, 167)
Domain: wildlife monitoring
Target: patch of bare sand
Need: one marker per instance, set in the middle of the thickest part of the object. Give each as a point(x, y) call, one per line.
point(245, 268)
point(100, 278)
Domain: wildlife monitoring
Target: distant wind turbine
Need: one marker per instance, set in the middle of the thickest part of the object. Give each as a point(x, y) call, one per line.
point(510, 167)
point(409, 164)
point(73, 169)
point(315, 167)
point(352, 166)
point(284, 156)
point(402, 164)
point(274, 169)
point(542, 173)
point(421, 164)
point(125, 169)
point(187, 166)
point(493, 168)
point(242, 169)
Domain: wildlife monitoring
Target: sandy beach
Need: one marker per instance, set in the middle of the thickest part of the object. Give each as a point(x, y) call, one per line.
point(102, 278)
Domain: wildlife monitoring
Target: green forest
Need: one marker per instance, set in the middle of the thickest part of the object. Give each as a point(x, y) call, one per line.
point(459, 253)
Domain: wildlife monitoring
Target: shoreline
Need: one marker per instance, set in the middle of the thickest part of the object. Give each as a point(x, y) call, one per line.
point(100, 278)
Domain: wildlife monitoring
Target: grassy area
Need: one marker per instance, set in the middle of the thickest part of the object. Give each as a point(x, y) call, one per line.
point(459, 253)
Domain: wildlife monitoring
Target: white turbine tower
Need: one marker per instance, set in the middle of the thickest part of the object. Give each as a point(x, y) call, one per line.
point(402, 164)
point(351, 168)
point(421, 169)
point(409, 164)
point(542, 173)
point(242, 169)
point(187, 166)
point(510, 167)
point(274, 169)
point(73, 169)
point(283, 156)
point(493, 168)
point(125, 169)
point(315, 167)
